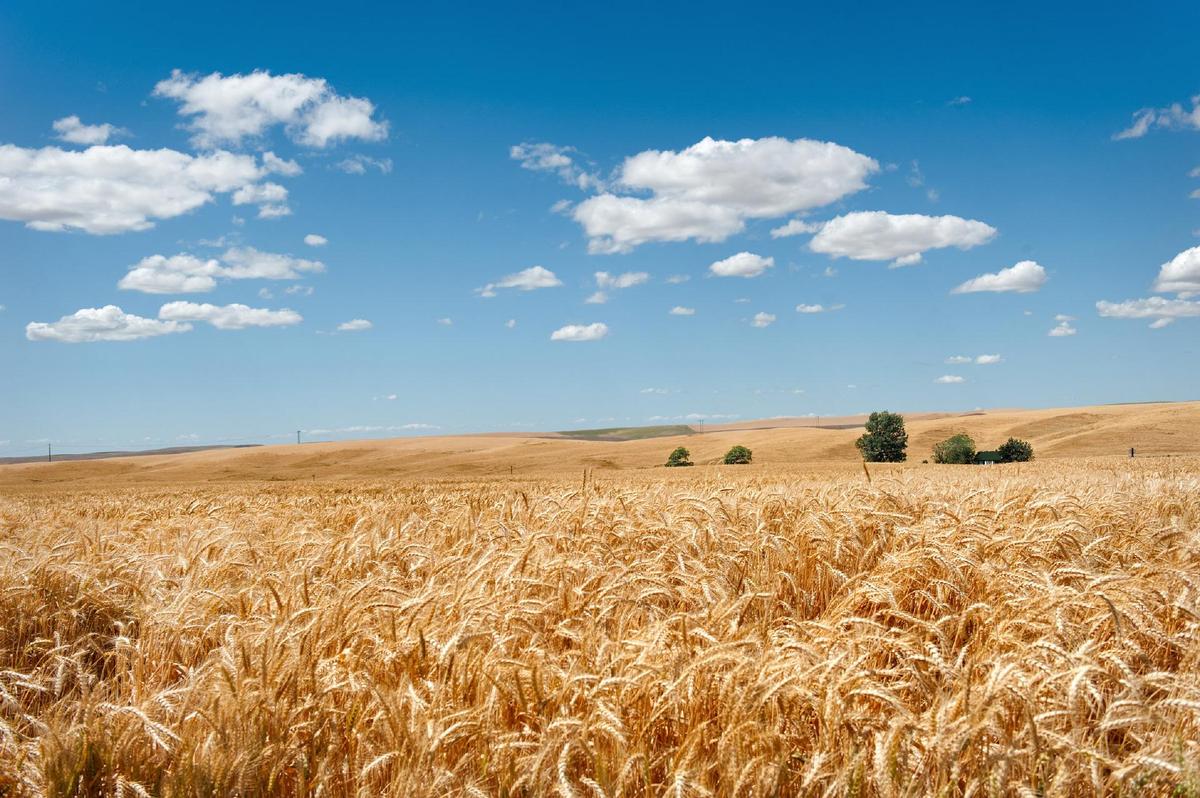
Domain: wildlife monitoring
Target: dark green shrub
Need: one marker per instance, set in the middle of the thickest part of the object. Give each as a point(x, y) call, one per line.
point(738, 455)
point(957, 449)
point(1015, 450)
point(679, 457)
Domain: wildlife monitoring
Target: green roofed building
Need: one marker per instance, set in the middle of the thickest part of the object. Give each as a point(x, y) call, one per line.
point(987, 458)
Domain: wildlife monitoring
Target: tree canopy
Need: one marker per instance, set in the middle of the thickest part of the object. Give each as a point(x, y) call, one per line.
point(957, 449)
point(679, 457)
point(738, 455)
point(1015, 450)
point(885, 440)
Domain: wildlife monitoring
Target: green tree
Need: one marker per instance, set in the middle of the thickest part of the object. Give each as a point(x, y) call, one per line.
point(738, 455)
point(679, 457)
point(885, 439)
point(1015, 450)
point(957, 449)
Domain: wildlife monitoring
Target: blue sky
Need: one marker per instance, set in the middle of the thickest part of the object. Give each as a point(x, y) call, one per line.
point(442, 150)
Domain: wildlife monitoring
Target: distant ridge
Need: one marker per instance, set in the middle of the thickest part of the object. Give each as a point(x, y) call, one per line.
point(123, 453)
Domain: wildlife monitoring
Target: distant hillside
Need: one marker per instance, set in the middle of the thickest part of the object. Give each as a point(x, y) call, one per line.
point(626, 433)
point(41, 458)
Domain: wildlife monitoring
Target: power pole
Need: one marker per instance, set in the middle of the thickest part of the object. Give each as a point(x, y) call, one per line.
point(297, 437)
point(50, 457)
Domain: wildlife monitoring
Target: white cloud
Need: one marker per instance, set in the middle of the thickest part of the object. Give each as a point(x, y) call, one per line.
point(305, 290)
point(113, 189)
point(187, 274)
point(988, 360)
point(962, 100)
point(580, 332)
point(707, 191)
point(446, 321)
point(546, 157)
point(609, 282)
point(314, 240)
point(228, 317)
point(1162, 311)
point(511, 324)
point(276, 165)
point(178, 274)
point(1064, 317)
point(795, 227)
point(958, 360)
point(108, 323)
point(949, 379)
point(355, 325)
point(743, 264)
point(901, 238)
point(271, 199)
point(1025, 277)
point(680, 310)
point(656, 391)
point(1062, 329)
point(72, 130)
point(248, 263)
point(818, 308)
point(678, 279)
point(619, 224)
point(596, 298)
point(229, 109)
point(762, 319)
point(1181, 274)
point(530, 279)
point(358, 165)
point(1173, 117)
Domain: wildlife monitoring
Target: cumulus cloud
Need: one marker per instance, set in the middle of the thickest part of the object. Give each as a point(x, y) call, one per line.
point(248, 263)
point(606, 282)
point(762, 319)
point(227, 109)
point(1174, 117)
point(1181, 274)
point(707, 191)
point(228, 317)
point(900, 238)
point(616, 224)
point(530, 279)
point(114, 189)
point(743, 264)
point(818, 308)
point(271, 199)
point(680, 310)
point(950, 379)
point(354, 325)
point(1023, 278)
point(1162, 311)
point(71, 129)
point(1063, 328)
point(988, 360)
point(546, 157)
point(795, 227)
point(359, 164)
point(108, 323)
point(580, 332)
point(177, 274)
point(187, 274)
point(314, 240)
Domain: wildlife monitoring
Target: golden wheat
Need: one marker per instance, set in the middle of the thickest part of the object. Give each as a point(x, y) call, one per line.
point(957, 631)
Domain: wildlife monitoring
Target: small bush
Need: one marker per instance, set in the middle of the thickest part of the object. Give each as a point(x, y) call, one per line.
point(1015, 450)
point(957, 449)
point(738, 455)
point(680, 457)
point(885, 440)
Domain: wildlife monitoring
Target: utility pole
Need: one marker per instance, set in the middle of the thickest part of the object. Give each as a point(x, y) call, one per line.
point(297, 437)
point(50, 457)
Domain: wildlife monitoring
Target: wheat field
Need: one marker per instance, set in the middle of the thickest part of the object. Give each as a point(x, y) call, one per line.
point(912, 630)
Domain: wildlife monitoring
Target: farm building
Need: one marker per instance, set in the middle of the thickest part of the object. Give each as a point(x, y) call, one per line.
point(987, 458)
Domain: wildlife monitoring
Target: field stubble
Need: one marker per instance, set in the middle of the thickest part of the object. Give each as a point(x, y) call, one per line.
point(960, 631)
